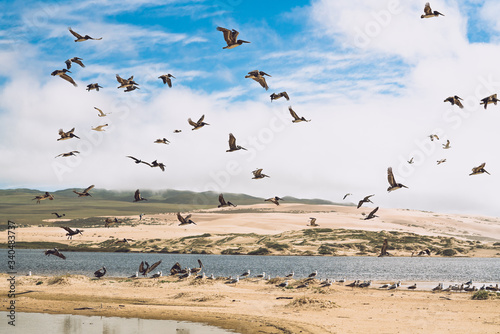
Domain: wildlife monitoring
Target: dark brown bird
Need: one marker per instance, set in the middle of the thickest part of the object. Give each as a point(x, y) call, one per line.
point(259, 77)
point(230, 36)
point(58, 215)
point(166, 79)
point(296, 118)
point(138, 197)
point(158, 164)
point(232, 144)
point(126, 83)
point(490, 99)
point(100, 273)
point(197, 270)
point(162, 141)
point(67, 135)
point(93, 86)
point(223, 202)
point(109, 221)
point(85, 192)
point(372, 214)
point(43, 197)
point(80, 38)
point(383, 251)
point(198, 124)
point(429, 13)
point(184, 220)
point(75, 60)
point(274, 200)
point(365, 200)
point(71, 232)
point(145, 269)
point(279, 95)
point(312, 222)
point(68, 154)
point(55, 252)
point(62, 74)
point(392, 181)
point(455, 100)
point(257, 174)
point(479, 170)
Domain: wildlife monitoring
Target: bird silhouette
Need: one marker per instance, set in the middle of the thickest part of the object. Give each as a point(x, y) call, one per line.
point(100, 273)
point(68, 154)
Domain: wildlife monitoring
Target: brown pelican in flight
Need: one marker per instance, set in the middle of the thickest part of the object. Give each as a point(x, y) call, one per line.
point(312, 222)
point(185, 220)
point(101, 113)
point(93, 86)
point(279, 95)
point(447, 145)
point(490, 99)
point(345, 196)
point(257, 174)
point(68, 154)
point(71, 232)
point(439, 162)
point(232, 144)
point(479, 169)
point(67, 135)
point(55, 252)
point(433, 136)
point(58, 215)
point(383, 251)
point(62, 74)
point(274, 200)
point(85, 192)
point(100, 273)
point(158, 164)
point(75, 60)
point(372, 214)
point(162, 141)
point(392, 181)
point(429, 13)
point(42, 197)
point(198, 124)
point(259, 77)
point(80, 38)
point(455, 100)
point(365, 200)
point(145, 268)
point(100, 127)
point(166, 79)
point(223, 202)
point(296, 118)
point(410, 161)
point(138, 197)
point(231, 38)
point(126, 83)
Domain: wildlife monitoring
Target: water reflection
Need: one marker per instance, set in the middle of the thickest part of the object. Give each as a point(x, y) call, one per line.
point(28, 323)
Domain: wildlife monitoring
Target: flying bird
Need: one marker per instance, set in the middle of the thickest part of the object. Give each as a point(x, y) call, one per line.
point(490, 99)
point(162, 141)
point(259, 77)
point(383, 251)
point(279, 95)
point(230, 36)
point(198, 124)
point(42, 197)
point(177, 131)
point(158, 164)
point(348, 194)
point(185, 220)
point(138, 161)
point(71, 232)
point(166, 79)
point(372, 214)
point(75, 60)
point(274, 200)
point(439, 162)
point(479, 170)
point(100, 127)
point(433, 136)
point(410, 161)
point(100, 273)
point(447, 145)
point(429, 13)
point(455, 100)
point(312, 222)
point(365, 200)
point(257, 174)
point(131, 88)
point(85, 192)
point(80, 38)
point(93, 86)
point(223, 202)
point(126, 83)
point(55, 252)
point(58, 215)
point(138, 197)
point(67, 154)
point(296, 118)
point(101, 113)
point(392, 181)
point(62, 74)
point(67, 135)
point(232, 144)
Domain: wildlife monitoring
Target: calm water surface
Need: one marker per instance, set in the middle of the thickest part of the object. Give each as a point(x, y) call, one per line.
point(31, 323)
point(363, 268)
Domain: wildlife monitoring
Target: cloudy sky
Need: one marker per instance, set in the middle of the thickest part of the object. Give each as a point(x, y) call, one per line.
point(371, 76)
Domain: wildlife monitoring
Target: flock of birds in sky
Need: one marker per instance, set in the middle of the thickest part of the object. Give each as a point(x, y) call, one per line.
point(232, 41)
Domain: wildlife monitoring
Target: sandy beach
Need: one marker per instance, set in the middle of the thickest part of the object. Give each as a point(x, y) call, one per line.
point(257, 306)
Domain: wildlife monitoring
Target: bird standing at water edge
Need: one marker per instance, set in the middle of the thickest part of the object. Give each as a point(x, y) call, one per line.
point(100, 273)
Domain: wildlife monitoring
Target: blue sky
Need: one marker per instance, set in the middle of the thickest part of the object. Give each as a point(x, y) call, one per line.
point(372, 76)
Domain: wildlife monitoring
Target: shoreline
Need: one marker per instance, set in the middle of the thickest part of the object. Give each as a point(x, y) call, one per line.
point(256, 306)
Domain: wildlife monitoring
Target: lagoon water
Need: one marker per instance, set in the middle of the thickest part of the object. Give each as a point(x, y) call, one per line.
point(432, 269)
point(28, 323)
